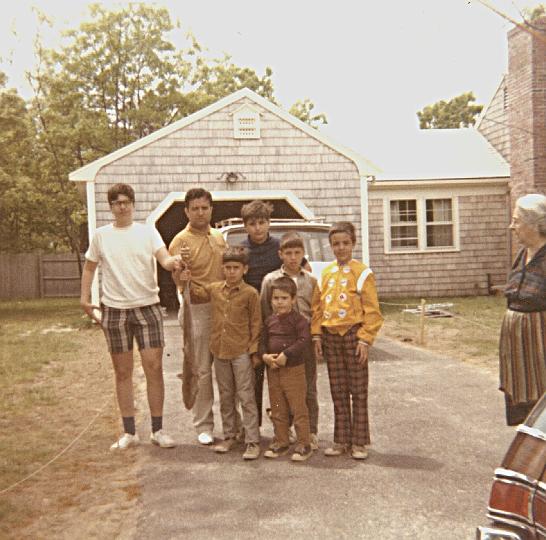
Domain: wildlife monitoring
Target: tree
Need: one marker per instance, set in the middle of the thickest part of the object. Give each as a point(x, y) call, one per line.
point(117, 79)
point(531, 14)
point(456, 113)
point(303, 111)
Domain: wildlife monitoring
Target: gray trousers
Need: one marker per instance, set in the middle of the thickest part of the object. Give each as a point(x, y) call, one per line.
point(235, 379)
point(203, 419)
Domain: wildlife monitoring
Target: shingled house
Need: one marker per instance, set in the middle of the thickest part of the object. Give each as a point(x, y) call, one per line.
point(240, 148)
point(431, 221)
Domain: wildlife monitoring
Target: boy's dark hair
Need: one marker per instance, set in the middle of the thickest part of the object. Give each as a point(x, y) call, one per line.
point(284, 284)
point(235, 254)
point(120, 189)
point(256, 210)
point(197, 193)
point(343, 227)
point(291, 240)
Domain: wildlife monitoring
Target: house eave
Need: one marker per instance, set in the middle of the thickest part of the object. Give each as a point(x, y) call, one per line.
point(89, 172)
point(500, 181)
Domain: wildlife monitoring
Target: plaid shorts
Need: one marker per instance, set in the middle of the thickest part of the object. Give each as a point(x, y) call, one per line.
point(122, 326)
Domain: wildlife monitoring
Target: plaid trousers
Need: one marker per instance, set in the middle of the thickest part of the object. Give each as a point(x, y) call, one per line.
point(348, 382)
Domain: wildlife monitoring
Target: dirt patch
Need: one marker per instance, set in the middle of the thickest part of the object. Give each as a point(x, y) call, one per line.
point(88, 492)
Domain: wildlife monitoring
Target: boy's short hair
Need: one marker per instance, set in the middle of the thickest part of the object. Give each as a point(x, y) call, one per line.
point(197, 193)
point(284, 284)
point(120, 189)
point(235, 254)
point(291, 240)
point(256, 210)
point(343, 227)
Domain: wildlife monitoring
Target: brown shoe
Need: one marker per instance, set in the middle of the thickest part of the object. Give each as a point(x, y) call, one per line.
point(226, 445)
point(252, 451)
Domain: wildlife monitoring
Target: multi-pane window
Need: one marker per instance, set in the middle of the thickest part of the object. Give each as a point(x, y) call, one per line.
point(439, 223)
point(421, 224)
point(404, 224)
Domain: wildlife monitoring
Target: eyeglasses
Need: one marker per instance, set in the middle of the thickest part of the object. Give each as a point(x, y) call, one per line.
point(123, 202)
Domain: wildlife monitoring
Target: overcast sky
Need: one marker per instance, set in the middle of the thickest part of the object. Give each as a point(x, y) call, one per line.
point(369, 65)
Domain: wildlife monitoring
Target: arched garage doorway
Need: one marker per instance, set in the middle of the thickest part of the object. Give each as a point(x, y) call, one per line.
point(169, 218)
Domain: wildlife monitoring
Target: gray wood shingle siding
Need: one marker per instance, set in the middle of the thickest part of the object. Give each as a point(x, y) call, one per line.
point(284, 157)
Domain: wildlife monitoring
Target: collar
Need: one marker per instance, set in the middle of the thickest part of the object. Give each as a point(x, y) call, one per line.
point(235, 287)
point(197, 232)
point(284, 272)
point(264, 243)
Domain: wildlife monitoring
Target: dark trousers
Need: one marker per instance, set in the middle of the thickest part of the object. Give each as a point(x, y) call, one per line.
point(259, 390)
point(349, 388)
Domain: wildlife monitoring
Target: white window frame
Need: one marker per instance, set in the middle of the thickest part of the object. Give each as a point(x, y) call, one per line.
point(421, 207)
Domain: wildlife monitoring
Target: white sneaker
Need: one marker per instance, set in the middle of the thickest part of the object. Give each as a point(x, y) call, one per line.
point(314, 441)
point(205, 438)
point(162, 439)
point(127, 440)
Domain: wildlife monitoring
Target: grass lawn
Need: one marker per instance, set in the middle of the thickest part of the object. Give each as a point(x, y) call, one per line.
point(55, 377)
point(472, 334)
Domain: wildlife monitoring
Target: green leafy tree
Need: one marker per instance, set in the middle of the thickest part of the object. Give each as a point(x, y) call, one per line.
point(117, 78)
point(531, 14)
point(456, 113)
point(304, 111)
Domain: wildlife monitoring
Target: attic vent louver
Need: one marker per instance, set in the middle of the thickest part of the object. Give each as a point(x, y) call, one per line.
point(246, 123)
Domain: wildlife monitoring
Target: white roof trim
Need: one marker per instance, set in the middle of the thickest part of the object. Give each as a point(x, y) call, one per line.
point(89, 172)
point(488, 106)
point(501, 181)
point(218, 196)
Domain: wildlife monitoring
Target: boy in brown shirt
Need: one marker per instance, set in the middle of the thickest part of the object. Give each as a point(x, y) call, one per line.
point(284, 340)
point(234, 340)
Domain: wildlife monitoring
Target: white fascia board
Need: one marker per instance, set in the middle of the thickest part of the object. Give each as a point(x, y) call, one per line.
point(219, 196)
point(488, 106)
point(499, 181)
point(88, 172)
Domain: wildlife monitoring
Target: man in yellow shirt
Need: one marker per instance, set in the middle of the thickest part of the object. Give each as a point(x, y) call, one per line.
point(203, 246)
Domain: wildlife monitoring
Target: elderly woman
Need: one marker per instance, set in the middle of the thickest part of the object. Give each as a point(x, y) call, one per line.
point(523, 332)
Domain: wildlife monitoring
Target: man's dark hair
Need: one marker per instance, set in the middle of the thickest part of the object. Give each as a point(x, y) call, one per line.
point(291, 240)
point(236, 254)
point(284, 284)
point(256, 210)
point(197, 193)
point(343, 227)
point(120, 189)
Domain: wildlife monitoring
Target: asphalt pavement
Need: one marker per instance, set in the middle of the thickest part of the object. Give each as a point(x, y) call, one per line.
point(438, 432)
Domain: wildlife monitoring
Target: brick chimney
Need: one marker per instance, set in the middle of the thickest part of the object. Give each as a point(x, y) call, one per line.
point(527, 109)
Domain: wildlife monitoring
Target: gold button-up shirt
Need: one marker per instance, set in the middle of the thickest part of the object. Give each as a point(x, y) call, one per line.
point(206, 250)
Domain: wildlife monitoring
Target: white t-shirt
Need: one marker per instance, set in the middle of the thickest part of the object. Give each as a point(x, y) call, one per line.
point(126, 259)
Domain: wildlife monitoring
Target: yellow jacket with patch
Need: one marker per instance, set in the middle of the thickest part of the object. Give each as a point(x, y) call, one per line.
point(347, 296)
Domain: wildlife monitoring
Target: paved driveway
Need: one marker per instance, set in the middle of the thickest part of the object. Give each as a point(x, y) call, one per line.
point(437, 433)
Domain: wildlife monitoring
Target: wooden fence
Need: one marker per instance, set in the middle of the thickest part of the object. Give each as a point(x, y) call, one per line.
point(38, 275)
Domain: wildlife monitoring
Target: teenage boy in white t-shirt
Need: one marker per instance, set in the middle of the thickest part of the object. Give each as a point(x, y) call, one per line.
point(126, 252)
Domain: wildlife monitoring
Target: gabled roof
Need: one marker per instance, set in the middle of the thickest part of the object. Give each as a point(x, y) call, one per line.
point(89, 171)
point(435, 154)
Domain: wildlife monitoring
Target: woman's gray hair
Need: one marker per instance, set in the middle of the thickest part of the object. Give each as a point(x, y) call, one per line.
point(532, 211)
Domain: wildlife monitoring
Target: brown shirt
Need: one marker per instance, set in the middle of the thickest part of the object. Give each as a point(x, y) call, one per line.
point(236, 319)
point(206, 250)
